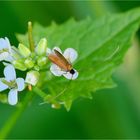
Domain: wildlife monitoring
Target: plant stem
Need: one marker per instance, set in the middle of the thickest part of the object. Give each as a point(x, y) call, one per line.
point(39, 92)
point(30, 36)
point(13, 119)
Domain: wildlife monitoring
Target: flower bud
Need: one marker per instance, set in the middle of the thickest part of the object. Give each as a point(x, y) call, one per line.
point(41, 61)
point(29, 63)
point(19, 64)
point(32, 77)
point(24, 51)
point(56, 106)
point(36, 67)
point(41, 47)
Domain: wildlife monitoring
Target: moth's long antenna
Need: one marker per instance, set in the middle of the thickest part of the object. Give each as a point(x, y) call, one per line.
point(66, 87)
point(61, 93)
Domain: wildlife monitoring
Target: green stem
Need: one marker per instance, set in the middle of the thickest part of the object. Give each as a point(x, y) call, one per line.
point(13, 119)
point(39, 92)
point(30, 36)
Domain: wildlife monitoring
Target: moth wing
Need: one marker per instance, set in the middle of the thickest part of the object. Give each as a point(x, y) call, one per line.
point(62, 58)
point(58, 61)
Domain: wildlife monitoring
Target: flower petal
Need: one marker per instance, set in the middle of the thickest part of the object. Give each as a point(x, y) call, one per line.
point(20, 84)
point(3, 43)
point(70, 54)
point(10, 73)
point(2, 85)
point(9, 58)
point(3, 56)
point(48, 51)
point(70, 76)
point(13, 97)
point(56, 70)
point(7, 43)
point(58, 49)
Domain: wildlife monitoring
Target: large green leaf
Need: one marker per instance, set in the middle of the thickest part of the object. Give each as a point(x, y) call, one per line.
point(101, 45)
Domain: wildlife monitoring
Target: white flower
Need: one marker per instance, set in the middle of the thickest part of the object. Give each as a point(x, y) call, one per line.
point(5, 50)
point(11, 82)
point(70, 55)
point(32, 77)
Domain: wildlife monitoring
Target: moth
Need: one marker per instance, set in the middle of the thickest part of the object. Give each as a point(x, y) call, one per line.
point(61, 61)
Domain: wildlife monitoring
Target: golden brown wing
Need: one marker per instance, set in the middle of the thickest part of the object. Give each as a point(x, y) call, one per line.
point(60, 61)
point(65, 61)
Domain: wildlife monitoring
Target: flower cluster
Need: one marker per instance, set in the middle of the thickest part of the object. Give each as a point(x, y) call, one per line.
point(32, 61)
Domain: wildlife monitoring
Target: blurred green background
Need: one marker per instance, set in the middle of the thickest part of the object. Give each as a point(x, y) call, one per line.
point(113, 113)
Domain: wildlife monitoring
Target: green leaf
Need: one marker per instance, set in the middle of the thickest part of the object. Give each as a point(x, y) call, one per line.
point(101, 45)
